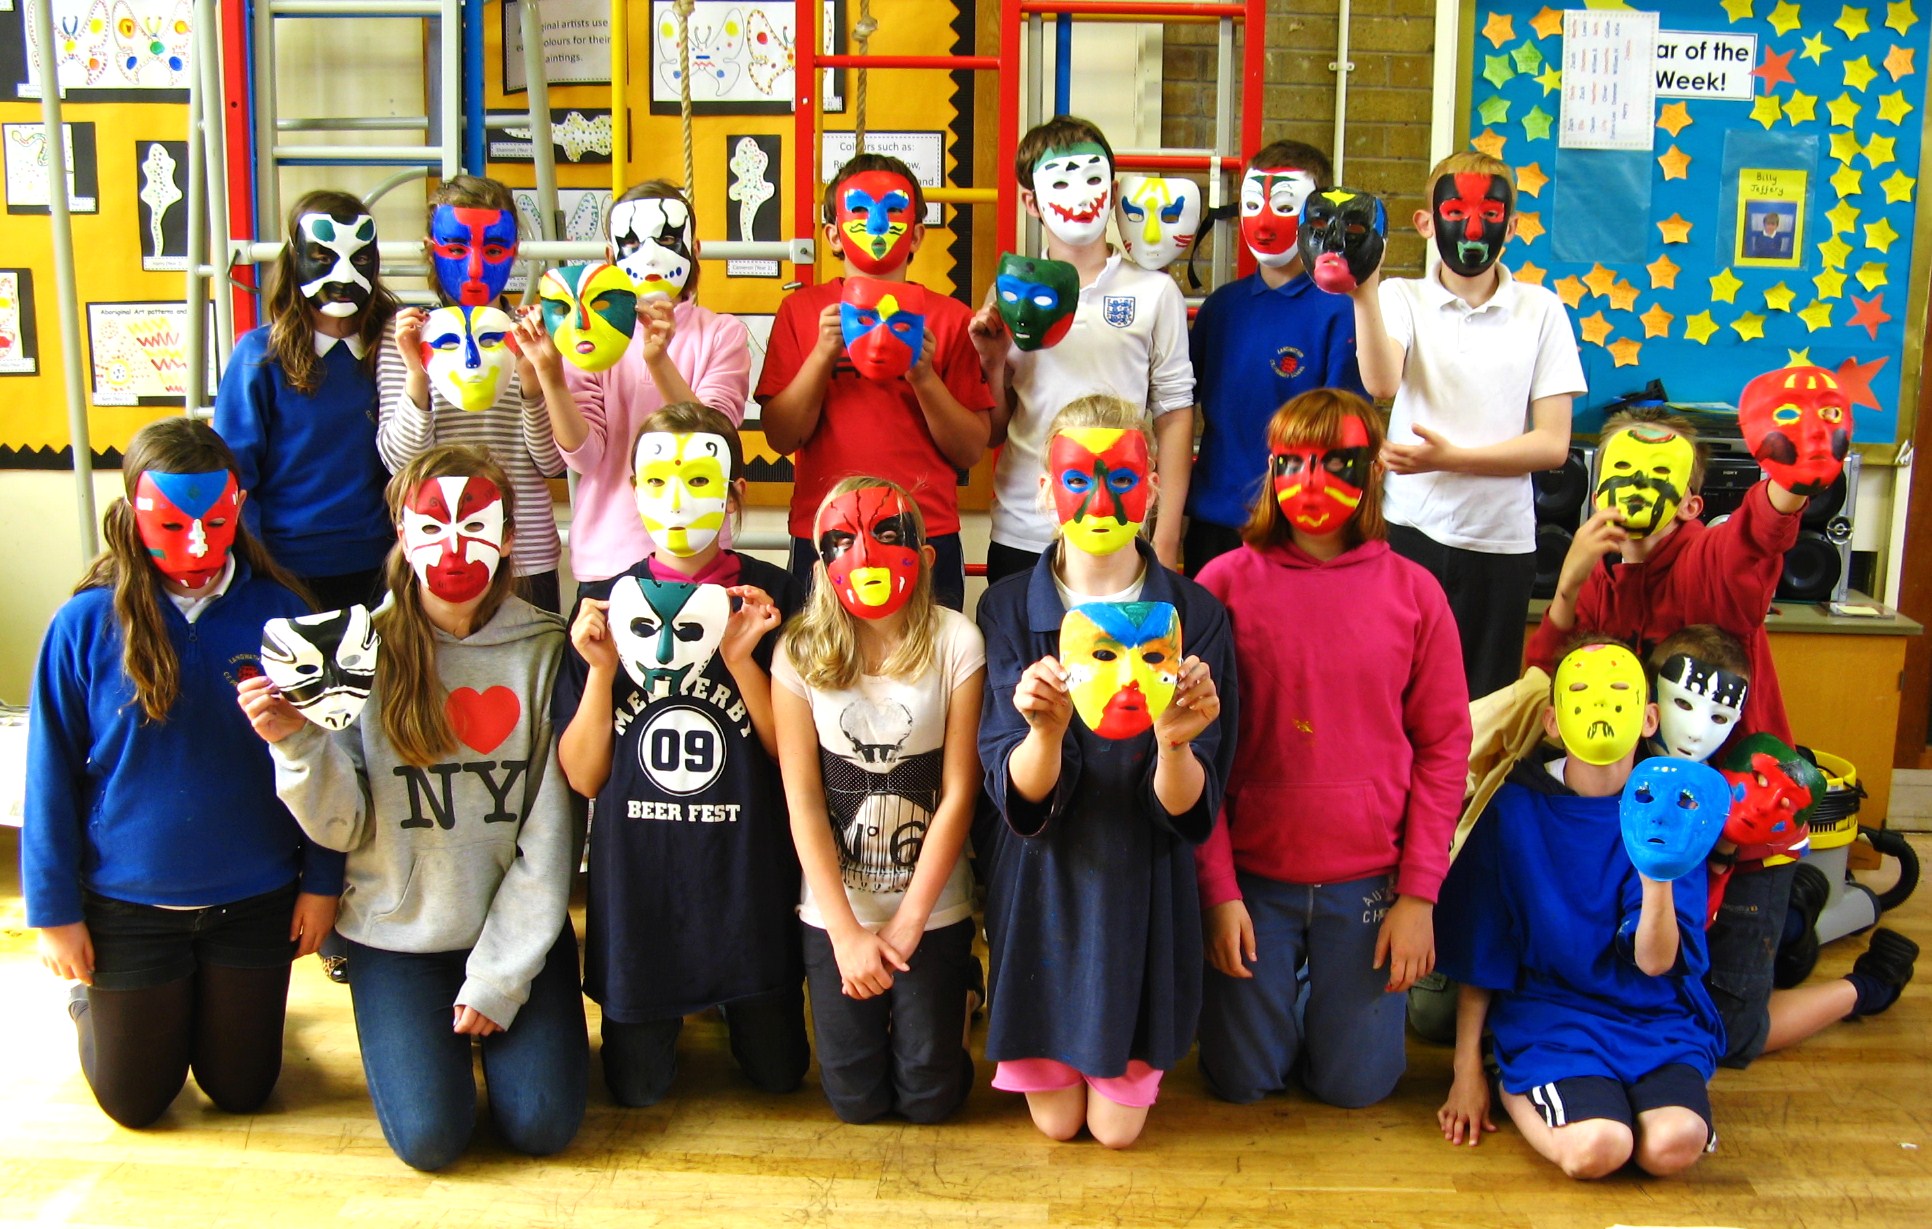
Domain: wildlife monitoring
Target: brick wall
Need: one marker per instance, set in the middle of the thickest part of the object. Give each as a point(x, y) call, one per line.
point(1389, 98)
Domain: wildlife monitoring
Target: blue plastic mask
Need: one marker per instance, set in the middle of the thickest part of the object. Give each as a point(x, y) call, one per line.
point(1672, 813)
point(472, 250)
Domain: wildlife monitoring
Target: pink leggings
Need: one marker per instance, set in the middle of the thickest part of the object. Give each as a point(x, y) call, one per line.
point(1137, 1088)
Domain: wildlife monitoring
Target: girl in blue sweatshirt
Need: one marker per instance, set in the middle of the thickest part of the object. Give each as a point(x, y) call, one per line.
point(162, 873)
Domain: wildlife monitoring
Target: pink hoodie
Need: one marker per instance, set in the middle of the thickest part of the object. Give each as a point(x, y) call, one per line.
point(1354, 735)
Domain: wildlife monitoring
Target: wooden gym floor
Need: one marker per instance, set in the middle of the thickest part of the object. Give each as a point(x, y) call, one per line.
point(1836, 1133)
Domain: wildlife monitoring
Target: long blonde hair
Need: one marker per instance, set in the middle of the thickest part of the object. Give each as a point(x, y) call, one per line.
point(170, 446)
point(415, 718)
point(822, 640)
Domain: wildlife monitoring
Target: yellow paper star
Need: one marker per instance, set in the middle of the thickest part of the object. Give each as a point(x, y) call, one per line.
point(1529, 227)
point(1490, 142)
point(1845, 146)
point(1663, 273)
point(1871, 275)
point(1859, 73)
point(1623, 296)
point(1764, 109)
point(1800, 108)
point(1530, 179)
point(1817, 316)
point(1878, 150)
point(1892, 108)
point(1551, 79)
point(1779, 297)
point(1570, 290)
point(1599, 280)
point(1847, 182)
point(1528, 272)
point(1674, 118)
point(1724, 287)
point(1536, 124)
point(1898, 62)
point(1749, 326)
point(1844, 110)
point(1499, 29)
point(1656, 321)
point(1784, 18)
point(1879, 235)
point(1625, 352)
point(1737, 10)
point(1548, 23)
point(1898, 189)
point(1851, 22)
point(1843, 217)
point(1798, 358)
point(1699, 328)
point(1834, 252)
point(1675, 229)
point(1899, 16)
point(1815, 48)
point(1595, 329)
point(1830, 284)
point(1676, 162)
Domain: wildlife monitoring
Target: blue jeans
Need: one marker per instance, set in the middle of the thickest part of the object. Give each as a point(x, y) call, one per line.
point(1341, 1032)
point(420, 1072)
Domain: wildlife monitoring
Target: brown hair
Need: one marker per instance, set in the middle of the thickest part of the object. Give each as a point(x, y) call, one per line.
point(464, 192)
point(664, 190)
point(1657, 416)
point(690, 417)
point(822, 640)
point(1315, 417)
point(177, 445)
point(1706, 643)
point(291, 331)
point(1060, 132)
point(1473, 162)
point(413, 696)
point(1297, 154)
point(1582, 640)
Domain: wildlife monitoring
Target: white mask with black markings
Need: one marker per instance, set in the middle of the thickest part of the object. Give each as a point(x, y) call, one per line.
point(323, 664)
point(1698, 706)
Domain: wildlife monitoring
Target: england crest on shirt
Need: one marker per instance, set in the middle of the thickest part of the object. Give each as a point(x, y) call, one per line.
point(1118, 310)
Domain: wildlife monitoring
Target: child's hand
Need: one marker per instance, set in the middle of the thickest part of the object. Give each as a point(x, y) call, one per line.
point(409, 338)
point(1365, 290)
point(1407, 941)
point(1465, 1115)
point(67, 951)
point(987, 330)
point(1195, 706)
point(1602, 534)
point(590, 635)
point(1043, 699)
point(902, 932)
point(922, 369)
point(756, 616)
point(536, 350)
point(1431, 455)
point(273, 717)
point(473, 1023)
point(863, 960)
point(660, 326)
point(1230, 938)
point(313, 919)
point(831, 335)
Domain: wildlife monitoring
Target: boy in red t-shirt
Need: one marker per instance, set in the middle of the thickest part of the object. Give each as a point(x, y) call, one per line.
point(921, 431)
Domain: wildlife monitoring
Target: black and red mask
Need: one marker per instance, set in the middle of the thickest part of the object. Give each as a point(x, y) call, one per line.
point(1472, 220)
point(869, 543)
point(1797, 422)
point(1319, 485)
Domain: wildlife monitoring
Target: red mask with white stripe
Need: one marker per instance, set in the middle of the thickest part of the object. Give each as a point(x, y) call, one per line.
point(453, 531)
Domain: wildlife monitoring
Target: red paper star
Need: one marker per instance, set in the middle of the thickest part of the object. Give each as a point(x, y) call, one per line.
point(1856, 379)
point(1775, 69)
point(1870, 314)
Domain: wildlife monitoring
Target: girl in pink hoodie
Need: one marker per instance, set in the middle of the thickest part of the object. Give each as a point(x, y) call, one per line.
point(1348, 775)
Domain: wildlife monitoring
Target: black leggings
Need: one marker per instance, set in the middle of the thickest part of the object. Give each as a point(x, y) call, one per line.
point(137, 1046)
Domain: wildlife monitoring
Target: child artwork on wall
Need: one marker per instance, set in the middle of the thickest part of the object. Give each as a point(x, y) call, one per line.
point(139, 352)
point(133, 47)
point(19, 349)
point(26, 168)
point(753, 162)
point(161, 171)
point(742, 55)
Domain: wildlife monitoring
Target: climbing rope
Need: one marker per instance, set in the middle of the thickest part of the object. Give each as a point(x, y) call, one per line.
point(683, 8)
point(862, 31)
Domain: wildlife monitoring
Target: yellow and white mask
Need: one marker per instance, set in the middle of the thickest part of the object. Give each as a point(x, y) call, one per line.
point(466, 351)
point(1600, 695)
point(1123, 660)
point(1645, 471)
point(590, 311)
point(1157, 217)
point(683, 483)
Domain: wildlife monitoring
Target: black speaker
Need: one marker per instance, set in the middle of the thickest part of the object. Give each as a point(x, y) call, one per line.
point(1562, 502)
point(1818, 566)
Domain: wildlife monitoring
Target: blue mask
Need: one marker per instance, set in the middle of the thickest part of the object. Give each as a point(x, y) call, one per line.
point(1672, 813)
point(472, 250)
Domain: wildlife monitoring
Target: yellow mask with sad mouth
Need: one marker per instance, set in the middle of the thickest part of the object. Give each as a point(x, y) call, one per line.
point(1600, 695)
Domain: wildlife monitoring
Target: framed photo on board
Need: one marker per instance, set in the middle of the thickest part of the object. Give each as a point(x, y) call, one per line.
point(1770, 218)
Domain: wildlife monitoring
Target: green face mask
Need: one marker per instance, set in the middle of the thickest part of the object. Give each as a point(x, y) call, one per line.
point(1037, 299)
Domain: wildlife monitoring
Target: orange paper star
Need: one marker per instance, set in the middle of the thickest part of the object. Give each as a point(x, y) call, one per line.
point(1675, 229)
point(1623, 296)
point(1656, 321)
point(1674, 118)
point(1775, 71)
point(1625, 351)
point(1547, 23)
point(1499, 29)
point(1529, 227)
point(1663, 273)
point(1530, 179)
point(1529, 272)
point(1570, 291)
point(1595, 329)
point(1870, 314)
point(1599, 279)
point(1898, 62)
point(1676, 163)
point(1856, 379)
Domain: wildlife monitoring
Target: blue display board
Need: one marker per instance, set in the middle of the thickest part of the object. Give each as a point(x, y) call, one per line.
point(1771, 226)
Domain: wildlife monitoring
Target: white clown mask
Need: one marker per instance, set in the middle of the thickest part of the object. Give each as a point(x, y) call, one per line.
point(1698, 707)
point(666, 631)
point(323, 664)
point(1271, 201)
point(653, 241)
point(683, 484)
point(466, 351)
point(1157, 217)
point(1074, 189)
point(453, 531)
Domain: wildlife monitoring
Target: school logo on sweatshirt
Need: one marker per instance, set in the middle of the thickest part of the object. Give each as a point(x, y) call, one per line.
point(1289, 362)
point(1118, 310)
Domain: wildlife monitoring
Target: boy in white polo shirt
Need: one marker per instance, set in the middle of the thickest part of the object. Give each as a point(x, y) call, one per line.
point(1483, 369)
point(1129, 339)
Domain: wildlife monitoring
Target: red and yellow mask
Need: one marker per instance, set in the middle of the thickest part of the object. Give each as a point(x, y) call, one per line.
point(187, 522)
point(1797, 422)
point(452, 529)
point(1319, 486)
point(1101, 491)
point(874, 218)
point(1123, 660)
point(869, 543)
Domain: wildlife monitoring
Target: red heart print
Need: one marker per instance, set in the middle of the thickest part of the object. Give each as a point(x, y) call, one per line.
point(483, 719)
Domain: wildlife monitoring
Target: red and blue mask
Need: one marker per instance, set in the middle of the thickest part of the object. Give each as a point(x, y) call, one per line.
point(869, 543)
point(472, 250)
point(1319, 485)
point(1797, 422)
point(187, 522)
point(874, 218)
point(1472, 220)
point(884, 325)
point(1100, 489)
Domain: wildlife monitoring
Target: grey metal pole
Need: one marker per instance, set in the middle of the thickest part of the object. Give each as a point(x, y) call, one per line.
point(195, 287)
point(268, 194)
point(543, 153)
point(67, 301)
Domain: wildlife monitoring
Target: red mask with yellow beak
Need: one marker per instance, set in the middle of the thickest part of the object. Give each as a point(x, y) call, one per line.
point(869, 543)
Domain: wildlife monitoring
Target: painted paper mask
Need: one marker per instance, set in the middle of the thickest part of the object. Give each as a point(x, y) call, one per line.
point(1318, 487)
point(1341, 239)
point(187, 522)
point(1698, 707)
point(337, 261)
point(471, 250)
point(1271, 201)
point(1600, 696)
point(1157, 217)
point(1101, 494)
point(1037, 299)
point(874, 218)
point(1644, 470)
point(589, 310)
point(683, 488)
point(1672, 813)
point(1074, 190)
point(884, 325)
point(653, 241)
point(870, 546)
point(323, 664)
point(452, 530)
point(1797, 422)
point(1773, 793)
point(466, 351)
point(1472, 218)
point(1123, 660)
point(666, 631)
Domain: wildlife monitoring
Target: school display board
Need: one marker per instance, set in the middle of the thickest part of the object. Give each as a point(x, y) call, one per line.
point(1716, 188)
